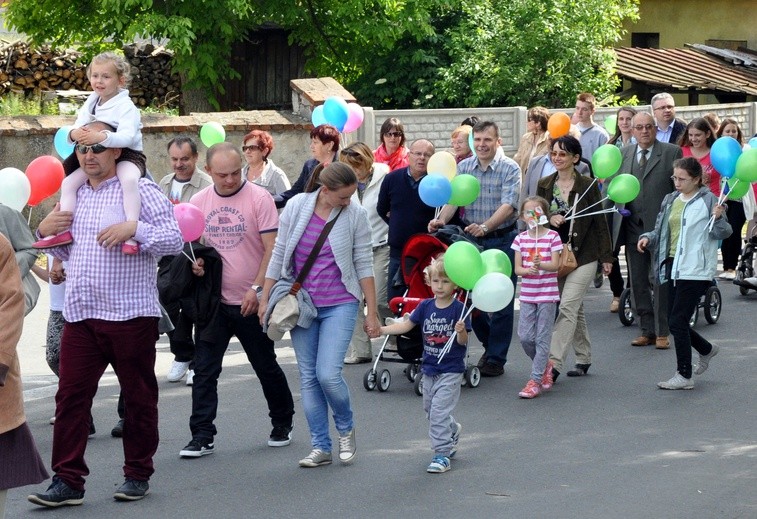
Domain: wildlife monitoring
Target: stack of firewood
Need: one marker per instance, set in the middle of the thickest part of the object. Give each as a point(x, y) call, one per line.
point(32, 71)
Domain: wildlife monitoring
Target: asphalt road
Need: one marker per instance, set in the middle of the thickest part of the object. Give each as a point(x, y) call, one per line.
point(606, 445)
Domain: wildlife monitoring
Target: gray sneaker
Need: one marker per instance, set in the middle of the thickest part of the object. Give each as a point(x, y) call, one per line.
point(132, 490)
point(677, 382)
point(316, 458)
point(704, 360)
point(347, 447)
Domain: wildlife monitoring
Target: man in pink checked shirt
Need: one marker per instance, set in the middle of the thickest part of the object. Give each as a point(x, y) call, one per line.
point(111, 311)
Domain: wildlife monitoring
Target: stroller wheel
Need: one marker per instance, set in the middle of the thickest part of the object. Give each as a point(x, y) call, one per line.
point(384, 379)
point(418, 384)
point(410, 371)
point(712, 305)
point(369, 380)
point(472, 376)
point(626, 310)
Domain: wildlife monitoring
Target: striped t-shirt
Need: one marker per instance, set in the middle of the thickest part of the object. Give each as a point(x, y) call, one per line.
point(324, 281)
point(541, 287)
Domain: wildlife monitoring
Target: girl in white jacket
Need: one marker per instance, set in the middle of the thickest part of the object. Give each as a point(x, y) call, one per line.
point(685, 244)
point(109, 103)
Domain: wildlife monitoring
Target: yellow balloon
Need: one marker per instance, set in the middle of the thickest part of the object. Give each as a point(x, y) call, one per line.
point(442, 163)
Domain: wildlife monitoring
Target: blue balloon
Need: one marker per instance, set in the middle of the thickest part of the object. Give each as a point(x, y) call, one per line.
point(336, 111)
point(62, 147)
point(470, 142)
point(318, 118)
point(724, 153)
point(753, 142)
point(435, 190)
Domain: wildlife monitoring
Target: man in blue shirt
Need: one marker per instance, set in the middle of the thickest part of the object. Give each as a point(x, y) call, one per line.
point(490, 220)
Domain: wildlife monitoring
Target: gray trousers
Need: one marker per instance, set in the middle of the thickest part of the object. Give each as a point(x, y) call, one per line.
point(649, 298)
point(535, 326)
point(440, 395)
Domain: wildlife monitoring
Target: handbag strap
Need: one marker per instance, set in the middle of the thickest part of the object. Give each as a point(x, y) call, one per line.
point(313, 254)
point(572, 220)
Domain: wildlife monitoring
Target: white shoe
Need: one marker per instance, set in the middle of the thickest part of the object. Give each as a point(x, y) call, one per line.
point(178, 370)
point(190, 377)
point(677, 382)
point(728, 274)
point(704, 360)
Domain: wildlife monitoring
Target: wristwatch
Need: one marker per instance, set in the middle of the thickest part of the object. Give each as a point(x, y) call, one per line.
point(484, 228)
point(258, 289)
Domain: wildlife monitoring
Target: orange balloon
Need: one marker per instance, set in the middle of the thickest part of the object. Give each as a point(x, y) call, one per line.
point(45, 175)
point(558, 125)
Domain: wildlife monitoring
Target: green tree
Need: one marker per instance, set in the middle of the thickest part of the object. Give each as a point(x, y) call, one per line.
point(504, 53)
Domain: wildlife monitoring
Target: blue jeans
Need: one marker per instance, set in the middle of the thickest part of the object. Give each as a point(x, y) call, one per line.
point(320, 351)
point(262, 357)
point(495, 330)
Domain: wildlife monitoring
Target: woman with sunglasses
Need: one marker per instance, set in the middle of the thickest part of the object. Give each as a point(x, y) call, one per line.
point(392, 150)
point(370, 176)
point(259, 170)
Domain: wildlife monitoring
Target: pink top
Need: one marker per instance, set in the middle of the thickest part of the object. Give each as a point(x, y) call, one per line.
point(324, 281)
point(233, 226)
point(541, 287)
point(711, 176)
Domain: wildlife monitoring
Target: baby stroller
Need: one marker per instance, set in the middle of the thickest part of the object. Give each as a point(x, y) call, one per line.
point(745, 271)
point(416, 256)
point(711, 302)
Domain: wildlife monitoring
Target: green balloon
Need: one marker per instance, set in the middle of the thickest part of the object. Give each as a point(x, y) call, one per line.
point(737, 189)
point(463, 264)
point(212, 133)
point(606, 161)
point(611, 124)
point(465, 189)
point(623, 188)
point(746, 166)
point(495, 260)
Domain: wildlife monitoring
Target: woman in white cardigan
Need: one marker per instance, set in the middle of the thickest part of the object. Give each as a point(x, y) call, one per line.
point(341, 276)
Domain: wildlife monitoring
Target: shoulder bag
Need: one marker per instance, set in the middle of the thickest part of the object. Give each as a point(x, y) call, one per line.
point(568, 261)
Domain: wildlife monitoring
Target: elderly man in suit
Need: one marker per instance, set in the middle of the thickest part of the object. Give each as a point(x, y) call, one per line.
point(669, 129)
point(651, 161)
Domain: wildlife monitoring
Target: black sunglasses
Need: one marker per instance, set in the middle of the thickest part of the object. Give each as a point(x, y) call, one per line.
point(258, 147)
point(96, 149)
point(394, 134)
point(350, 152)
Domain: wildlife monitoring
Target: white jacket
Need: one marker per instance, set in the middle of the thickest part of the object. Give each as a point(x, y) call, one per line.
point(379, 228)
point(118, 112)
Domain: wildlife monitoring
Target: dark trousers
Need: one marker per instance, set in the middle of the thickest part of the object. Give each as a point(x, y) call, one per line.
point(87, 347)
point(208, 365)
point(684, 296)
point(180, 340)
point(653, 317)
point(616, 275)
point(731, 246)
point(395, 286)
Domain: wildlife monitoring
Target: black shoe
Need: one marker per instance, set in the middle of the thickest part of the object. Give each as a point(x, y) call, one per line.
point(492, 370)
point(555, 374)
point(579, 371)
point(599, 279)
point(281, 436)
point(132, 490)
point(92, 430)
point(118, 429)
point(58, 494)
point(197, 448)
point(481, 361)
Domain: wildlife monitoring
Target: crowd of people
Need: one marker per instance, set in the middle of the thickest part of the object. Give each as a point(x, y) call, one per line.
point(333, 242)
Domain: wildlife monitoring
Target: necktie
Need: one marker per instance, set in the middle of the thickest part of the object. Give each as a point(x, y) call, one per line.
point(643, 160)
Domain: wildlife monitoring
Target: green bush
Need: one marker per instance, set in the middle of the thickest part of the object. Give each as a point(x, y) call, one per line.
point(18, 104)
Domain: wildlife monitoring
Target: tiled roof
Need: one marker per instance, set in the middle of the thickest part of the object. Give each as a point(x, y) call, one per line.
point(698, 67)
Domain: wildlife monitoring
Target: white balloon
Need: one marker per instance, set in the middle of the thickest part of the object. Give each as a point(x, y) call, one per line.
point(492, 292)
point(15, 188)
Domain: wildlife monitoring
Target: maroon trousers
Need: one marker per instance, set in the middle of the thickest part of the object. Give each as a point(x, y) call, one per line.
point(87, 347)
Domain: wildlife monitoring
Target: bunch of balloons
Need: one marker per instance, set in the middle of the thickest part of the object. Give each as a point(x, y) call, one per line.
point(43, 178)
point(345, 117)
point(737, 167)
point(486, 273)
point(442, 185)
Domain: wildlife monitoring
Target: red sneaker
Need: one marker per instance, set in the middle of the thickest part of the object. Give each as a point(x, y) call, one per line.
point(532, 390)
point(63, 238)
point(546, 378)
point(130, 249)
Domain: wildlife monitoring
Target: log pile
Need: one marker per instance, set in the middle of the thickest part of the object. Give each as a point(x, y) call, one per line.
point(33, 71)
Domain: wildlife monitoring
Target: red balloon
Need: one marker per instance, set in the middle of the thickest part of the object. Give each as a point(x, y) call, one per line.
point(45, 175)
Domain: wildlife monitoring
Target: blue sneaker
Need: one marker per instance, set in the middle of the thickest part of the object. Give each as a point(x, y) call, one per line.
point(439, 464)
point(455, 439)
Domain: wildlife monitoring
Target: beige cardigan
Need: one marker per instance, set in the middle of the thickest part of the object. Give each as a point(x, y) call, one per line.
point(12, 319)
point(529, 149)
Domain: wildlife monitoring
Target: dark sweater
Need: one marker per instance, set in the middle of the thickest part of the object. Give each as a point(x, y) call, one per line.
point(409, 215)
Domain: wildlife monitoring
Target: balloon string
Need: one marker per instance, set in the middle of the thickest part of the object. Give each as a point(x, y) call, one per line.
point(188, 257)
point(582, 196)
point(191, 249)
point(603, 211)
point(448, 345)
point(465, 304)
point(589, 206)
point(29, 220)
point(721, 199)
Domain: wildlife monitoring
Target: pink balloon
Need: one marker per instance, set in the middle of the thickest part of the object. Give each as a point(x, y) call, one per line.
point(355, 117)
point(191, 221)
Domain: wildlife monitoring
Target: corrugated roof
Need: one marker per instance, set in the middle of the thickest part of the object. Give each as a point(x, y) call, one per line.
point(684, 69)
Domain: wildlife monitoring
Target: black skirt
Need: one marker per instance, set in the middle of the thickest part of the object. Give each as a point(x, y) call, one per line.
point(21, 464)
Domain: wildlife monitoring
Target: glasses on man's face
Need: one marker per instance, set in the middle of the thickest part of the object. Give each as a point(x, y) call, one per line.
point(96, 149)
point(666, 107)
point(420, 154)
point(680, 179)
point(251, 147)
point(641, 127)
point(394, 134)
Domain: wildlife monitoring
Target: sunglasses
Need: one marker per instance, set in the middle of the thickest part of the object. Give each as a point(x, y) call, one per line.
point(394, 134)
point(96, 149)
point(350, 152)
point(253, 147)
